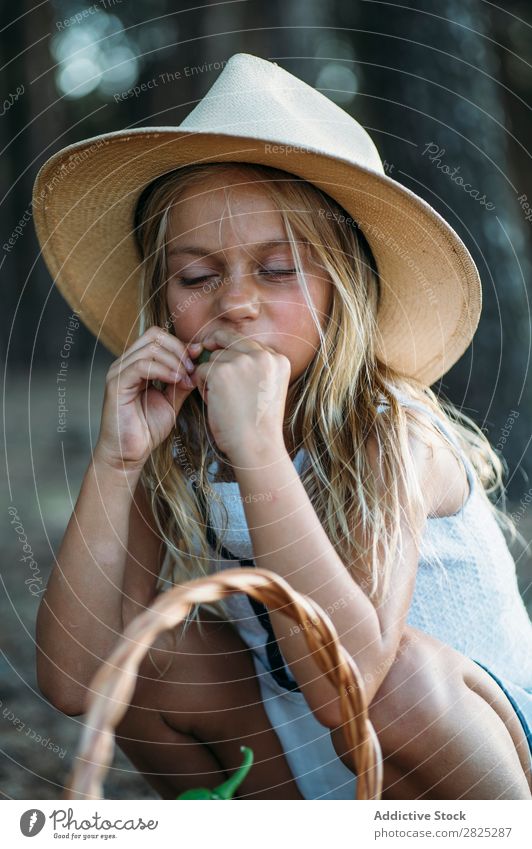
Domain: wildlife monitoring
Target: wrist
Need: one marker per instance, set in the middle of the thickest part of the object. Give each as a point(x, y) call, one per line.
point(117, 472)
point(251, 457)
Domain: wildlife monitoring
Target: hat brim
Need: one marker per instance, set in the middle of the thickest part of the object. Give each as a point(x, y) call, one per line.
point(84, 200)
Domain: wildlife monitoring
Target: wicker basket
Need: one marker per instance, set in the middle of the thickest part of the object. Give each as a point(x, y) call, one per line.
point(113, 685)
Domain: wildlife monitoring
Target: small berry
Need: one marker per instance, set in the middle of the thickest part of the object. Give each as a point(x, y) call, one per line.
point(204, 357)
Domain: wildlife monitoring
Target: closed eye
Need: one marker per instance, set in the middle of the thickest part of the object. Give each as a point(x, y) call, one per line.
point(186, 281)
point(277, 272)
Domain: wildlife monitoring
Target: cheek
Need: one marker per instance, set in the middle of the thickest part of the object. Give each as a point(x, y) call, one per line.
point(322, 294)
point(296, 317)
point(297, 335)
point(184, 308)
point(171, 299)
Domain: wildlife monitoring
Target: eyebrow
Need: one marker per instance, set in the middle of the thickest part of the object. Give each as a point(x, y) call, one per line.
point(195, 250)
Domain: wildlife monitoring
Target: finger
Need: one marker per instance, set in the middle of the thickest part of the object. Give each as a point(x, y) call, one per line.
point(143, 369)
point(161, 337)
point(152, 333)
point(152, 350)
point(175, 394)
point(170, 341)
point(200, 378)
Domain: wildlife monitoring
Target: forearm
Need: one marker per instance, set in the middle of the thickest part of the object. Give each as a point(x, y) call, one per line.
point(289, 539)
point(80, 615)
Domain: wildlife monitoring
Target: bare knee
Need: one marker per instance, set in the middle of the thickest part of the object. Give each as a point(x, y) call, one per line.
point(426, 701)
point(169, 754)
point(413, 694)
point(187, 672)
point(417, 690)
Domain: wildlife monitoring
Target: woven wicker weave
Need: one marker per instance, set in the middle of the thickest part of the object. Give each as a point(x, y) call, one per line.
point(113, 685)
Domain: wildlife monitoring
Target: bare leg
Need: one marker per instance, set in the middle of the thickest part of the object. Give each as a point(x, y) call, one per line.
point(446, 728)
point(184, 729)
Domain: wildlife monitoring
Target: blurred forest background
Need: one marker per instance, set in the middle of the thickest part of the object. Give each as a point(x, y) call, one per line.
point(451, 74)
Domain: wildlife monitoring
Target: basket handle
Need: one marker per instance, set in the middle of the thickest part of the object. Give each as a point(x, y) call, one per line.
point(113, 685)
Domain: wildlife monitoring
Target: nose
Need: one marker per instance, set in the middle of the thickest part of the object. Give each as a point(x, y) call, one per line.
point(238, 297)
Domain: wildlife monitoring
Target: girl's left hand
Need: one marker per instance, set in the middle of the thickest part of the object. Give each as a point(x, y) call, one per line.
point(244, 386)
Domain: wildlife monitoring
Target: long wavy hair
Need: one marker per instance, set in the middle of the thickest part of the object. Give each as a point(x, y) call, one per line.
point(332, 405)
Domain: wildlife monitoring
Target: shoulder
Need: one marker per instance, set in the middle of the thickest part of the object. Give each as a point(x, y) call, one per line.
point(440, 472)
point(422, 451)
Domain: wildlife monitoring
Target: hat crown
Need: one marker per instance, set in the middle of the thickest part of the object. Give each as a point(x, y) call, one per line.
point(257, 98)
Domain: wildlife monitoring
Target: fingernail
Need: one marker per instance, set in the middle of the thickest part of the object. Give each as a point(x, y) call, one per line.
point(187, 381)
point(189, 364)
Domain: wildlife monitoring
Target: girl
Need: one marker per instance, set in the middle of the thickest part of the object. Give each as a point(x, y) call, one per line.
point(299, 448)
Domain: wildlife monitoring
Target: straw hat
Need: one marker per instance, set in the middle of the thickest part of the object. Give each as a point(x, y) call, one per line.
point(85, 195)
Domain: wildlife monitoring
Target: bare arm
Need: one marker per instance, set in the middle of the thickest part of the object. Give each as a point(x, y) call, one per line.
point(289, 539)
point(110, 533)
point(80, 616)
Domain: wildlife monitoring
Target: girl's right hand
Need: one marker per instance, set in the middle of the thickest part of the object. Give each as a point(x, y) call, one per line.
point(137, 417)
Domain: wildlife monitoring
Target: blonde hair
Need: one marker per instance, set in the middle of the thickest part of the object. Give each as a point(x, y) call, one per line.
point(332, 404)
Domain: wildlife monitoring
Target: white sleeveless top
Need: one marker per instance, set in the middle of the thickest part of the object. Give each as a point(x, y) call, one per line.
point(465, 594)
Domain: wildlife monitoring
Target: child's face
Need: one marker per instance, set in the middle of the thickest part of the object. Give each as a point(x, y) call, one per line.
point(242, 291)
